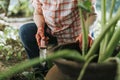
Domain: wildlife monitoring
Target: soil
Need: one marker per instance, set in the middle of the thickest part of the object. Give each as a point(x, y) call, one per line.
point(5, 64)
point(18, 77)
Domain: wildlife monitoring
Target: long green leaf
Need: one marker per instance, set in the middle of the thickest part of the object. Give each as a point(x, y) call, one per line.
point(25, 64)
point(108, 34)
point(84, 34)
point(112, 44)
point(82, 72)
point(85, 31)
point(100, 37)
point(118, 55)
point(103, 22)
point(85, 5)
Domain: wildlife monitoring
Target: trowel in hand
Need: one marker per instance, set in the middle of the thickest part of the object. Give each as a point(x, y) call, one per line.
point(43, 51)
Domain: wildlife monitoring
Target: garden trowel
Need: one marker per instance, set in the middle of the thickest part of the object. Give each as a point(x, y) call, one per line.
point(43, 51)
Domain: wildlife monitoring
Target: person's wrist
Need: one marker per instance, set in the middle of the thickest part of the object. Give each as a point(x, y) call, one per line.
point(41, 32)
point(40, 29)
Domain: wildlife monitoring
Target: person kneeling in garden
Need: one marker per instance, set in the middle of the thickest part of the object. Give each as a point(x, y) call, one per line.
point(58, 20)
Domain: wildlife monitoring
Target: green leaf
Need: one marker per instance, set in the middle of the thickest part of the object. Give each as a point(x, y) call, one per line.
point(25, 64)
point(85, 5)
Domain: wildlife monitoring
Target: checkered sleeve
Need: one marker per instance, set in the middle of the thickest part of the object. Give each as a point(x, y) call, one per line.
point(36, 4)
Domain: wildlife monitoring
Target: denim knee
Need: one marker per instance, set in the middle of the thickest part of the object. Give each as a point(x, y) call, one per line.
point(22, 32)
point(27, 33)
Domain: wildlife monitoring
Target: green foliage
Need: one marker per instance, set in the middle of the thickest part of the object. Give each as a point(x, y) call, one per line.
point(107, 40)
point(10, 46)
point(85, 5)
point(25, 64)
point(109, 2)
point(114, 39)
point(4, 6)
point(16, 8)
point(20, 8)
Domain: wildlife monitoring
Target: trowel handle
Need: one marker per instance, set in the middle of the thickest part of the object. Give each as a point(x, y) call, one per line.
point(43, 44)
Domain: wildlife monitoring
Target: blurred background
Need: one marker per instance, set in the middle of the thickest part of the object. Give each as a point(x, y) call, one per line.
point(23, 8)
point(13, 14)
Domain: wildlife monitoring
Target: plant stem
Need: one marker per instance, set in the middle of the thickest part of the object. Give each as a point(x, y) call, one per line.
point(103, 22)
point(84, 34)
point(112, 44)
point(112, 8)
point(25, 64)
point(100, 37)
point(108, 34)
point(85, 66)
point(118, 55)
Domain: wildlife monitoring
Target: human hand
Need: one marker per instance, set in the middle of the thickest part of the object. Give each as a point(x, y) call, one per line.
point(79, 39)
point(40, 37)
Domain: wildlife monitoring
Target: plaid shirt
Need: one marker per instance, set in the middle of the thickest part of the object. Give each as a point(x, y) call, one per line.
point(62, 17)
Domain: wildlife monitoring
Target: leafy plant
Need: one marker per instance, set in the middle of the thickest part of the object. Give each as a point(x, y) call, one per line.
point(106, 42)
point(10, 46)
point(106, 27)
point(16, 8)
point(108, 38)
point(108, 5)
point(4, 6)
point(26, 64)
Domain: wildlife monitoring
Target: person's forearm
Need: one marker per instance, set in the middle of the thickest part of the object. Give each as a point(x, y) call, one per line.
point(39, 19)
point(91, 20)
point(91, 16)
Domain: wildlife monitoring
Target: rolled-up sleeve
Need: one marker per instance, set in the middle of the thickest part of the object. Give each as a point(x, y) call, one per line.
point(36, 4)
point(94, 6)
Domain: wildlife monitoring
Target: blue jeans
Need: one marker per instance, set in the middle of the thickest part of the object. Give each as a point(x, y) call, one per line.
point(27, 35)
